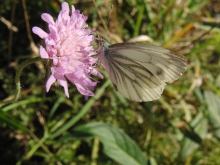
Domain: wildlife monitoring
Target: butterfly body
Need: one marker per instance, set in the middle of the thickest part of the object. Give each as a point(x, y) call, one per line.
point(140, 72)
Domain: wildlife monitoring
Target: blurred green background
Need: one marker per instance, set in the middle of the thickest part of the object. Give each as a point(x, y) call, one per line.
point(182, 127)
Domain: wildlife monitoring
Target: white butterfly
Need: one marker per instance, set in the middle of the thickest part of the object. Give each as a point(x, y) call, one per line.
point(140, 72)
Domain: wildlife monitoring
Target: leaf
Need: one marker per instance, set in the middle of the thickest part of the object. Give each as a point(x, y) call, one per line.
point(117, 144)
point(199, 131)
point(217, 81)
point(152, 161)
point(213, 102)
point(199, 95)
point(5, 118)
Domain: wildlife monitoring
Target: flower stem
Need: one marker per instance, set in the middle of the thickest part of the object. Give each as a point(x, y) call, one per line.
point(95, 150)
point(17, 80)
point(83, 111)
point(18, 74)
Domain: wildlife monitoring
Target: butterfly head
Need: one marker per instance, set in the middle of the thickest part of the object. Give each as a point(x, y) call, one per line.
point(103, 44)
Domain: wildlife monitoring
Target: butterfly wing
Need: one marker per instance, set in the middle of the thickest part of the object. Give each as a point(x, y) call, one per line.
point(140, 72)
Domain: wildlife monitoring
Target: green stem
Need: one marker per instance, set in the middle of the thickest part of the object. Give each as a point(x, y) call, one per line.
point(82, 112)
point(17, 78)
point(34, 148)
point(95, 150)
point(18, 74)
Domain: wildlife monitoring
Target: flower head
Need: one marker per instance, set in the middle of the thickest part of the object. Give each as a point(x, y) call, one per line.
point(68, 45)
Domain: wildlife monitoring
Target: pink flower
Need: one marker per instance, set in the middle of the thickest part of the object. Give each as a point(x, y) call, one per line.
point(68, 45)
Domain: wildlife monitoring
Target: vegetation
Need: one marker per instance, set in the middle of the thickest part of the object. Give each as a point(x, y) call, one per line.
point(182, 127)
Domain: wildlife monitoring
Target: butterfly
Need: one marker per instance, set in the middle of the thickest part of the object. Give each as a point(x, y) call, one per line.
point(140, 72)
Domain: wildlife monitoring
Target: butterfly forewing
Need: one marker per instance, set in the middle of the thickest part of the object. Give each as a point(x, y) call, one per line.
point(140, 72)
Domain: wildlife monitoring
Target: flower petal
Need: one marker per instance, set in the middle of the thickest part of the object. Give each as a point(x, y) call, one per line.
point(65, 9)
point(43, 52)
point(63, 83)
point(42, 34)
point(83, 90)
point(50, 81)
point(47, 18)
point(96, 73)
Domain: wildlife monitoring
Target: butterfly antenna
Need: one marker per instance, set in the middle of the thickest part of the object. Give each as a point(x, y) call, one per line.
point(105, 34)
point(110, 14)
point(100, 16)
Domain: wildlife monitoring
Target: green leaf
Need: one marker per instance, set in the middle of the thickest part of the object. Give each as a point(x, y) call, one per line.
point(6, 118)
point(199, 95)
point(152, 161)
point(198, 132)
point(213, 102)
point(117, 144)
